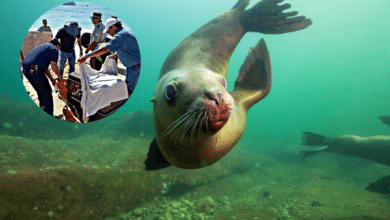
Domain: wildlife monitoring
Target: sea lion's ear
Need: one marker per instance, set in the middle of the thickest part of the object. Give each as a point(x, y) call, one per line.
point(255, 78)
point(153, 99)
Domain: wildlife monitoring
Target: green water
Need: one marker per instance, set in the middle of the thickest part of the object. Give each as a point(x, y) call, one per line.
point(332, 78)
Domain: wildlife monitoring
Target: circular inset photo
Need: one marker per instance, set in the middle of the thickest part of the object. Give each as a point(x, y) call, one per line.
point(80, 62)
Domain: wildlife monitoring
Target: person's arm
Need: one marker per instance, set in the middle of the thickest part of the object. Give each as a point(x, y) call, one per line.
point(47, 73)
point(21, 55)
point(55, 69)
point(81, 48)
point(91, 46)
point(93, 54)
point(95, 37)
point(113, 56)
point(58, 35)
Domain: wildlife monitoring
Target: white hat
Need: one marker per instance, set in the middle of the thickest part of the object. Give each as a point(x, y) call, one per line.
point(109, 23)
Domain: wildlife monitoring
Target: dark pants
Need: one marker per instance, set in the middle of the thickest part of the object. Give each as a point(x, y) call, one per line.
point(41, 85)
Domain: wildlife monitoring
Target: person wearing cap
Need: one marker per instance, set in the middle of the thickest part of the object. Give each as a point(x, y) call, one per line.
point(126, 47)
point(35, 67)
point(44, 27)
point(67, 36)
point(97, 38)
point(97, 34)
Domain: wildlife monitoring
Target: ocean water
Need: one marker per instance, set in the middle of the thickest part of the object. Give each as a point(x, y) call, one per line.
point(57, 16)
point(331, 78)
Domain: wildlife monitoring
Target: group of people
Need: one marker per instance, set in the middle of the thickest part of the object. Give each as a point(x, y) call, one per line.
point(123, 45)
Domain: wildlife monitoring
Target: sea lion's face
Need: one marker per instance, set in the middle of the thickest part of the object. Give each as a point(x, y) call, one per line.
point(192, 101)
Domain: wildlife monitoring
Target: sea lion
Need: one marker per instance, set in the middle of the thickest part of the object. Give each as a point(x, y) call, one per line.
point(385, 119)
point(197, 120)
point(374, 148)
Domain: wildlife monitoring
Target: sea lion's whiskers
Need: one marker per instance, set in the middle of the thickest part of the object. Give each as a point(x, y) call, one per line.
point(196, 122)
point(176, 123)
point(178, 132)
point(190, 123)
point(201, 123)
point(207, 115)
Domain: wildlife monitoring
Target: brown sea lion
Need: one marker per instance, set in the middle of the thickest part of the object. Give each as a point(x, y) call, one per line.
point(374, 148)
point(385, 119)
point(197, 119)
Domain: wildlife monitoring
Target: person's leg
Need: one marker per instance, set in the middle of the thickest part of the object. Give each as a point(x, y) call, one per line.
point(61, 66)
point(41, 85)
point(72, 61)
point(132, 78)
point(45, 97)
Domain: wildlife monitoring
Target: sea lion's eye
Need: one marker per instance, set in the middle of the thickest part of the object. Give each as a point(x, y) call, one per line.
point(170, 92)
point(224, 82)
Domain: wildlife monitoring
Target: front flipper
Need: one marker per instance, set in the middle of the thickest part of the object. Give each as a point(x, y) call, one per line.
point(255, 78)
point(155, 159)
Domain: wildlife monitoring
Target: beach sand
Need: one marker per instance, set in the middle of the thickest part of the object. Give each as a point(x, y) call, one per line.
point(58, 103)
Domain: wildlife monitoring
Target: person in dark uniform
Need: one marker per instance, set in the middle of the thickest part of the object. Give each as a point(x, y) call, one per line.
point(45, 27)
point(35, 67)
point(67, 36)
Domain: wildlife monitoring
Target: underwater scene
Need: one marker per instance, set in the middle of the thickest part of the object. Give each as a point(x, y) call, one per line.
point(314, 143)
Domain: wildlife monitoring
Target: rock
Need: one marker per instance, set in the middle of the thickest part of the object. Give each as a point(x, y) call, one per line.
point(137, 211)
point(175, 204)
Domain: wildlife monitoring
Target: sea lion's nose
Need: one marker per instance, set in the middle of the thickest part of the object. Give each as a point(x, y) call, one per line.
point(216, 96)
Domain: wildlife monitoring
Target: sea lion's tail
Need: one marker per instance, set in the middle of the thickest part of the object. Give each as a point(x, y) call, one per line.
point(312, 139)
point(267, 17)
point(385, 119)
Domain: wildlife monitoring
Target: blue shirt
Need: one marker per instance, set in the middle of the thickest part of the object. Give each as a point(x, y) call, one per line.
point(126, 46)
point(41, 56)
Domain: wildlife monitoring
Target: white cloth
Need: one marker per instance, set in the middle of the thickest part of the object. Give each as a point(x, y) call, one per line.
point(101, 88)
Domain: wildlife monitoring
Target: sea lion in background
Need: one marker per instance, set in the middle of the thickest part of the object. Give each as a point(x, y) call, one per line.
point(385, 119)
point(374, 148)
point(197, 120)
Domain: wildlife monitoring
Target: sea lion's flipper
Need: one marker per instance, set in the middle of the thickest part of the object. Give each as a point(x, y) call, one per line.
point(241, 4)
point(381, 186)
point(155, 159)
point(312, 139)
point(255, 78)
point(267, 17)
point(308, 153)
point(385, 119)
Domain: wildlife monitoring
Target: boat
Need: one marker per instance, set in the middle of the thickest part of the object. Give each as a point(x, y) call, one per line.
point(70, 3)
